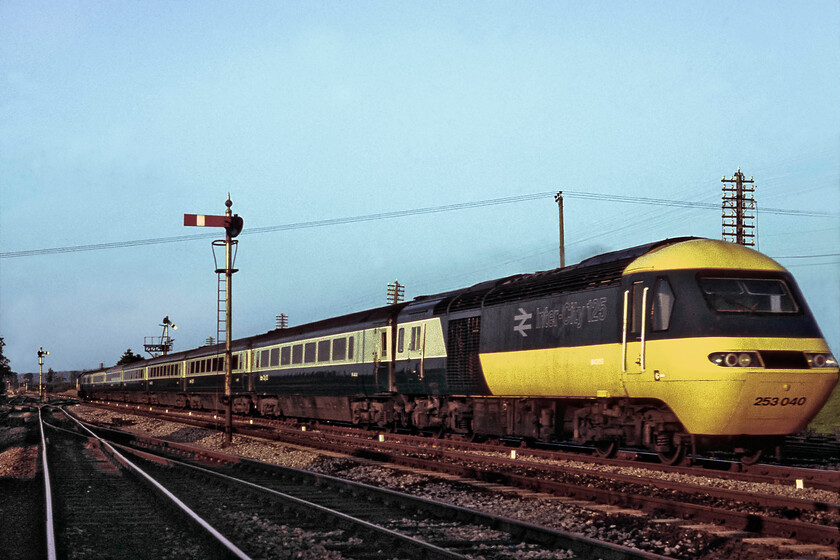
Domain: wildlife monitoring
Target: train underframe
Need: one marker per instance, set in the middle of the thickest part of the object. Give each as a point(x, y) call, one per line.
point(608, 424)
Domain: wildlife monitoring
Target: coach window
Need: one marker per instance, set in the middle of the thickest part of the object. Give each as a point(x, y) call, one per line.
point(275, 357)
point(285, 355)
point(264, 359)
point(663, 305)
point(324, 350)
point(309, 353)
point(297, 354)
point(339, 349)
point(384, 344)
point(350, 343)
point(400, 341)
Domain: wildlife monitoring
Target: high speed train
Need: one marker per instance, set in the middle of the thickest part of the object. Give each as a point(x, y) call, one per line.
point(675, 346)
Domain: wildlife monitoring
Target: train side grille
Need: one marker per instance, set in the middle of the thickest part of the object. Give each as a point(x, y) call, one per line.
point(463, 367)
point(783, 359)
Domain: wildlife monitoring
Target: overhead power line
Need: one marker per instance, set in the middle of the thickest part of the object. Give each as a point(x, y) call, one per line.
point(809, 256)
point(396, 214)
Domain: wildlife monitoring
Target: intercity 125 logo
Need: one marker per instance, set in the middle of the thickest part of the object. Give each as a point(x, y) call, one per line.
point(569, 314)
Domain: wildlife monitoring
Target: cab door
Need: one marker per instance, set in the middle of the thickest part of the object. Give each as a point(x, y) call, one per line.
point(635, 328)
point(648, 306)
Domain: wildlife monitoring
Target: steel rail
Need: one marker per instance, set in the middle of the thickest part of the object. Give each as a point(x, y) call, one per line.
point(50, 525)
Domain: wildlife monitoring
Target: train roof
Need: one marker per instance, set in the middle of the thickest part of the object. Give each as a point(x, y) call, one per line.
point(598, 271)
point(704, 254)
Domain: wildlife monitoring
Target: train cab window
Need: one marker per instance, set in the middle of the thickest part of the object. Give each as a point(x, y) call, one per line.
point(285, 355)
point(324, 350)
point(748, 295)
point(339, 349)
point(663, 305)
point(309, 352)
point(297, 354)
point(275, 357)
point(400, 341)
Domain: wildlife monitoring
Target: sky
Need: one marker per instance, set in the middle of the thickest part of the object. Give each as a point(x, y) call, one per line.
point(117, 117)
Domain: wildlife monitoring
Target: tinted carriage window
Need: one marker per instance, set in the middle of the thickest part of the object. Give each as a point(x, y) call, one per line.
point(264, 359)
point(275, 357)
point(400, 341)
point(285, 355)
point(663, 305)
point(350, 343)
point(324, 351)
point(309, 352)
point(339, 349)
point(748, 295)
point(297, 354)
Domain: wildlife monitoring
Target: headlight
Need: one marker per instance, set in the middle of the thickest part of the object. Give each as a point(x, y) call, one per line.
point(735, 359)
point(824, 360)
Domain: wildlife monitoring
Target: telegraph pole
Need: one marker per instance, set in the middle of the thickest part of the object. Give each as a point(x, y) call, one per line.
point(558, 198)
point(738, 209)
point(233, 226)
point(396, 293)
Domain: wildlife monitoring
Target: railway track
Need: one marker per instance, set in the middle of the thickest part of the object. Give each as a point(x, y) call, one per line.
point(362, 521)
point(823, 479)
point(100, 505)
point(750, 522)
point(748, 512)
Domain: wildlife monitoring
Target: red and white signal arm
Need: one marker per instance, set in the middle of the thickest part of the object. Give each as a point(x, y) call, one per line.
point(233, 224)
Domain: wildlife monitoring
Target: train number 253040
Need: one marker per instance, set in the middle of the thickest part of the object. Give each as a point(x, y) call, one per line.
point(776, 401)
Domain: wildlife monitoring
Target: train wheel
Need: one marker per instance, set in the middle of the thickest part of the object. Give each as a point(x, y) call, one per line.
point(606, 449)
point(750, 456)
point(672, 457)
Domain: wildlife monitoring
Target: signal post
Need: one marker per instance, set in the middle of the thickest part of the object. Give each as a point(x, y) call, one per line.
point(233, 226)
point(41, 354)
